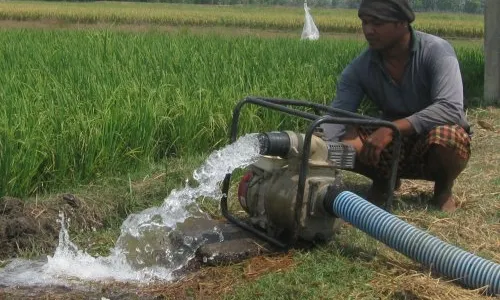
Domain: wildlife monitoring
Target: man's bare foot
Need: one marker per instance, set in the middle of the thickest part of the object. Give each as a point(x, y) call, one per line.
point(445, 203)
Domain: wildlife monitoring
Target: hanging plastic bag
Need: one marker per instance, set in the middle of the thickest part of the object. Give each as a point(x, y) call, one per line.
point(310, 31)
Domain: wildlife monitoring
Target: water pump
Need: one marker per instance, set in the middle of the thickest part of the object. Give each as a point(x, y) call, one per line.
point(284, 192)
point(294, 191)
point(267, 192)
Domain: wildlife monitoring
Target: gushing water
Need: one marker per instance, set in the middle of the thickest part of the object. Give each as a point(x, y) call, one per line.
point(152, 244)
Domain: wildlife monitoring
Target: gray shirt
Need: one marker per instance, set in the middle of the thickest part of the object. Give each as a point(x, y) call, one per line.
point(430, 93)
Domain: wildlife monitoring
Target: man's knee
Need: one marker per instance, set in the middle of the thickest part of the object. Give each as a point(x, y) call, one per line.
point(448, 152)
point(445, 163)
point(449, 140)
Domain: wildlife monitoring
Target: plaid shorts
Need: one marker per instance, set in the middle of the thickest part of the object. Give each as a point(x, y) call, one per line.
point(414, 149)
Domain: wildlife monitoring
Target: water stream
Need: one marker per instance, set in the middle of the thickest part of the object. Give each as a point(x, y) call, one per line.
point(152, 244)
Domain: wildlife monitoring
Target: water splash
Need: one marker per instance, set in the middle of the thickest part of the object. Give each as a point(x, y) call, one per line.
point(152, 244)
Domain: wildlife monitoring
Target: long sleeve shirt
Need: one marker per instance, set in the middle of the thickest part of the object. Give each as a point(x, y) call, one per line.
point(430, 93)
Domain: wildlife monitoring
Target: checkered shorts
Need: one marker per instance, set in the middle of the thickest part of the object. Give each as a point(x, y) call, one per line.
point(414, 149)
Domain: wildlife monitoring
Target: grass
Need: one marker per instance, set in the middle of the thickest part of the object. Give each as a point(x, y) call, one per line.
point(354, 266)
point(263, 17)
point(323, 274)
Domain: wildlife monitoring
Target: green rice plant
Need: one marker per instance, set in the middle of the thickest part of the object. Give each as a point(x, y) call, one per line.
point(76, 106)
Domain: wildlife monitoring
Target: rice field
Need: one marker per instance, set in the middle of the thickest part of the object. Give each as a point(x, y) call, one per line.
point(79, 105)
point(262, 17)
point(76, 105)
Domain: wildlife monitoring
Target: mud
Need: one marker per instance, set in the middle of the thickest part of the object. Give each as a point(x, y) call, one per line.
point(20, 229)
point(62, 292)
point(26, 227)
point(31, 228)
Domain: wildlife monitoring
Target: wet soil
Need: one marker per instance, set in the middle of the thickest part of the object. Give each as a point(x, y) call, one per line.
point(26, 227)
point(29, 226)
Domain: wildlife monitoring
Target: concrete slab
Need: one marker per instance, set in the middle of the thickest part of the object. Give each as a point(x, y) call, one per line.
point(224, 242)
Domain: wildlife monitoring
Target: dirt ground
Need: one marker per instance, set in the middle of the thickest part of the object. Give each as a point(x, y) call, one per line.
point(26, 226)
point(31, 227)
point(205, 283)
point(201, 30)
point(57, 24)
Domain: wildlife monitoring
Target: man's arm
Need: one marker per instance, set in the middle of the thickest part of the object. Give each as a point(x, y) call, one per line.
point(348, 97)
point(379, 139)
point(404, 127)
point(446, 92)
point(447, 107)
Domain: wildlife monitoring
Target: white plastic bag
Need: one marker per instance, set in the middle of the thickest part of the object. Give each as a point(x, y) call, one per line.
point(310, 31)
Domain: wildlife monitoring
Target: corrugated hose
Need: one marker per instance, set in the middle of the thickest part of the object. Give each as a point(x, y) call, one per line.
point(469, 269)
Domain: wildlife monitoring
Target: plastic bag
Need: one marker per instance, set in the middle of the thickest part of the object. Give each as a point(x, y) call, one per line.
point(310, 31)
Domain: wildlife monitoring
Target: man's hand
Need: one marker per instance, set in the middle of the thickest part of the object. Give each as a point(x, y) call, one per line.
point(374, 144)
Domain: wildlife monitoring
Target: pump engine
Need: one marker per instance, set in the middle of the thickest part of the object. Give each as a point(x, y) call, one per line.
point(287, 193)
point(268, 190)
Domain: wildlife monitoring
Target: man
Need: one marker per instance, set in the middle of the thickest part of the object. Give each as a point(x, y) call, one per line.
point(414, 80)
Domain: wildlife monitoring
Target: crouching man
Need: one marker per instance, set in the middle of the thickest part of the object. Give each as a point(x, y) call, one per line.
point(414, 79)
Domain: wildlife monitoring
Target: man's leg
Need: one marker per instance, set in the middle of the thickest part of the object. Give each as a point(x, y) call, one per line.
point(444, 165)
point(378, 191)
point(447, 151)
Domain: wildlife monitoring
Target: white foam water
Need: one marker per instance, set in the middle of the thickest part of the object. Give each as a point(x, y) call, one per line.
point(151, 246)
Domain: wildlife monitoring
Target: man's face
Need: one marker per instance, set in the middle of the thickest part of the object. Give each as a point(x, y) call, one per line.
point(381, 34)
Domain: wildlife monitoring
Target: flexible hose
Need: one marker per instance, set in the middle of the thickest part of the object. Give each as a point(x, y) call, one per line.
point(450, 261)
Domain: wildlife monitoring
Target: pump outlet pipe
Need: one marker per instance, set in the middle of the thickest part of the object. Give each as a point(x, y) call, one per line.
point(470, 270)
